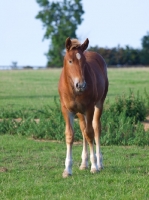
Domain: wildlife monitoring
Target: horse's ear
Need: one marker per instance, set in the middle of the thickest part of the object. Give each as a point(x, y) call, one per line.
point(68, 43)
point(85, 45)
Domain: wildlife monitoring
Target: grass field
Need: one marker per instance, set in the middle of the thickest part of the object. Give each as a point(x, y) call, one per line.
point(35, 89)
point(28, 88)
point(31, 169)
point(35, 172)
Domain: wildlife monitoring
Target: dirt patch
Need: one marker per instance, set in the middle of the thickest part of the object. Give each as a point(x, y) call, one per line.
point(20, 119)
point(146, 124)
point(3, 169)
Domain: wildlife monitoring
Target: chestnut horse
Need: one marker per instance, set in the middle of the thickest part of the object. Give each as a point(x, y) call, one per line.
point(83, 86)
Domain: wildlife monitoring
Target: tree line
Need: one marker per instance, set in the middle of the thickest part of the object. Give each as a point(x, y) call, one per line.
point(125, 56)
point(61, 19)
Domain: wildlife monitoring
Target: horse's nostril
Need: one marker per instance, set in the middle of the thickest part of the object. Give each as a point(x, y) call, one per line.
point(77, 85)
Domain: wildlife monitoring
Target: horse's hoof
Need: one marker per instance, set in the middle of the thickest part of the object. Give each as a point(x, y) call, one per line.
point(83, 167)
point(66, 174)
point(94, 170)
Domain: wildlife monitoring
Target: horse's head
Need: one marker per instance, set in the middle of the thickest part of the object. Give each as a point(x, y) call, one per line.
point(74, 63)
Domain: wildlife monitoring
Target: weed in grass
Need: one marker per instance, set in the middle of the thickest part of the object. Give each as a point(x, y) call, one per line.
point(121, 121)
point(133, 106)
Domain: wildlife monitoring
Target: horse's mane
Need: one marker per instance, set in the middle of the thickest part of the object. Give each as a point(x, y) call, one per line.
point(75, 44)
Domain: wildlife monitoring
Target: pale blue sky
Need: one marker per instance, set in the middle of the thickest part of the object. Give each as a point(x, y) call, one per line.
point(107, 23)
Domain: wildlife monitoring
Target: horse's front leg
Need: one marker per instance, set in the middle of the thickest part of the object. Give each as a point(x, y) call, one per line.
point(69, 135)
point(84, 156)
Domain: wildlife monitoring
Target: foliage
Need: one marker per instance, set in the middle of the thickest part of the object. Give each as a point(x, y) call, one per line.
point(120, 123)
point(145, 50)
point(122, 130)
point(60, 19)
point(119, 56)
point(133, 106)
point(145, 41)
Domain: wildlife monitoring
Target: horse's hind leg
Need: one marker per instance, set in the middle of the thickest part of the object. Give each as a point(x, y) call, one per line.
point(89, 135)
point(97, 131)
point(84, 156)
point(84, 163)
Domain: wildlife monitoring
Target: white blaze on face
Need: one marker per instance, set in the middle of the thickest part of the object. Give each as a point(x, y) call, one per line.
point(78, 56)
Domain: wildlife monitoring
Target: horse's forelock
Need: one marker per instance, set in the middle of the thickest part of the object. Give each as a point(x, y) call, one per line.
point(75, 44)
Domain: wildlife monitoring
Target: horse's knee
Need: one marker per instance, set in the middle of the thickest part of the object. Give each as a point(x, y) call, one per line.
point(69, 134)
point(69, 138)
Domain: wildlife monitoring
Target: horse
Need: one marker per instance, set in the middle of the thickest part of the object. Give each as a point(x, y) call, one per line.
point(83, 86)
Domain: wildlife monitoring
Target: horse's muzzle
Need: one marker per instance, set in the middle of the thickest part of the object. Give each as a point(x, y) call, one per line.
point(81, 86)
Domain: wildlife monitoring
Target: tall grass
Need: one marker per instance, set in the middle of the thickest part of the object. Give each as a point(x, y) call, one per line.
point(121, 122)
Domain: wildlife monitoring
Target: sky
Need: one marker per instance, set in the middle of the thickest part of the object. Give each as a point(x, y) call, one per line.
point(107, 23)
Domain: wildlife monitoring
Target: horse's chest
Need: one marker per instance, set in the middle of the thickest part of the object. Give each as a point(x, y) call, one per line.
point(77, 106)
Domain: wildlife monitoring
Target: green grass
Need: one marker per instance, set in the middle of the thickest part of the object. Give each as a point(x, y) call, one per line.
point(123, 79)
point(28, 88)
point(36, 88)
point(35, 172)
point(35, 167)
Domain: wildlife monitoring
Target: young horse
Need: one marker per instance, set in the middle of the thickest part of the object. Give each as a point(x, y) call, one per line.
point(83, 86)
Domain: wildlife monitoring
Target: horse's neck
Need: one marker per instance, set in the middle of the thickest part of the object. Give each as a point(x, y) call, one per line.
point(68, 83)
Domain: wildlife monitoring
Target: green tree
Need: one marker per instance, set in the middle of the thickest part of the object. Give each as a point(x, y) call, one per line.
point(145, 50)
point(60, 20)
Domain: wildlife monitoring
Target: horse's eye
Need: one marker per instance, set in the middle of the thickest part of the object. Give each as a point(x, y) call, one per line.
point(70, 61)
